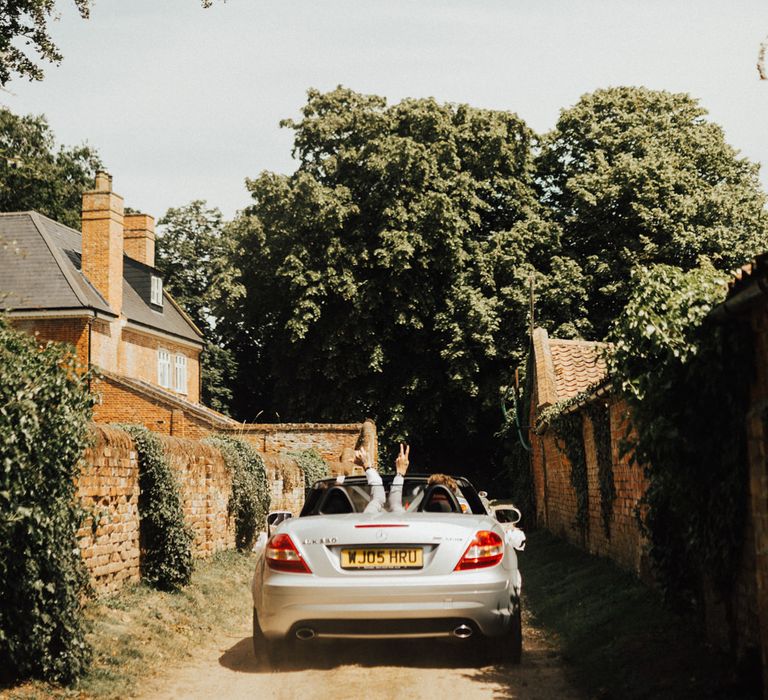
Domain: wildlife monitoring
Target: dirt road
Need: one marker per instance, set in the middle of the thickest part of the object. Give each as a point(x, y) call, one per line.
point(371, 670)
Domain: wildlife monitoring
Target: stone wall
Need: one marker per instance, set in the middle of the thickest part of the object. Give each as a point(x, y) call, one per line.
point(329, 440)
point(206, 485)
point(108, 489)
point(287, 482)
point(555, 496)
point(732, 623)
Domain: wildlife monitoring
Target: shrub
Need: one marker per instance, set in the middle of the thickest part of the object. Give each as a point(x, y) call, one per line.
point(166, 541)
point(44, 412)
point(312, 465)
point(250, 499)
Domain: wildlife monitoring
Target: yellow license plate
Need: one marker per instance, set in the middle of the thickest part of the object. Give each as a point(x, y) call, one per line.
point(382, 558)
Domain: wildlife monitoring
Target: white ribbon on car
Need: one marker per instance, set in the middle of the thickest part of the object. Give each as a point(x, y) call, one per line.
point(516, 539)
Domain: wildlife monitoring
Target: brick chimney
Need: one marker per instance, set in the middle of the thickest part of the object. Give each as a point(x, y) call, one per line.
point(139, 238)
point(103, 240)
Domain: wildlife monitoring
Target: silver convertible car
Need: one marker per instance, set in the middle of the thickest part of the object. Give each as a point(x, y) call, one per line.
point(441, 567)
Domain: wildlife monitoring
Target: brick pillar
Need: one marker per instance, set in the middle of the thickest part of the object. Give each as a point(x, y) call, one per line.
point(102, 223)
point(139, 238)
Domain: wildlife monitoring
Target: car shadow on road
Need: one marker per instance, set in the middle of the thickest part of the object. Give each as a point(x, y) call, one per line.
point(508, 680)
point(325, 655)
point(541, 667)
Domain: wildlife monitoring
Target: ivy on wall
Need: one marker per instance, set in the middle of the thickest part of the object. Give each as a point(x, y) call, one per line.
point(166, 540)
point(568, 427)
point(250, 498)
point(600, 417)
point(312, 465)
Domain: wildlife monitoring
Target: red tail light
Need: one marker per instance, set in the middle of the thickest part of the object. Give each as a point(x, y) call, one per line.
point(282, 555)
point(487, 549)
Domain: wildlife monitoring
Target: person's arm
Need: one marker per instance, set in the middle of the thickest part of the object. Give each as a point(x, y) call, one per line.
point(378, 496)
point(395, 501)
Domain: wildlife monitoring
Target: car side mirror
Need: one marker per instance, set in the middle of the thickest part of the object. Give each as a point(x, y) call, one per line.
point(508, 514)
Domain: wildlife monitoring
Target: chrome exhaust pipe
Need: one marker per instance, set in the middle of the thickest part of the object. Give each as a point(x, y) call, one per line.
point(463, 632)
point(305, 633)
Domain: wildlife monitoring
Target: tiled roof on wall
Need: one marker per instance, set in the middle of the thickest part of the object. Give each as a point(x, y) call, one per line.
point(578, 364)
point(565, 368)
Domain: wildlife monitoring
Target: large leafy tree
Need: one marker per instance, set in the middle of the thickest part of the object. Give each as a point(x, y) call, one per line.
point(24, 25)
point(637, 177)
point(35, 174)
point(389, 275)
point(25, 39)
point(194, 255)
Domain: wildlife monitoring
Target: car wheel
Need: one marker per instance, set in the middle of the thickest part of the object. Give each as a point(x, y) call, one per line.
point(513, 641)
point(509, 647)
point(261, 645)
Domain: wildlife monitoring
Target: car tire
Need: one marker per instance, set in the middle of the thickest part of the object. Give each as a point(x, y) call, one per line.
point(509, 647)
point(261, 646)
point(513, 643)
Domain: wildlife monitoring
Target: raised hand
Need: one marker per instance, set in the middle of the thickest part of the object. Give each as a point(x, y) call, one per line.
point(362, 459)
point(402, 462)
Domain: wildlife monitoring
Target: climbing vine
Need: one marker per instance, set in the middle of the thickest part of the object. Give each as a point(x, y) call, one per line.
point(600, 418)
point(568, 427)
point(166, 540)
point(312, 465)
point(250, 497)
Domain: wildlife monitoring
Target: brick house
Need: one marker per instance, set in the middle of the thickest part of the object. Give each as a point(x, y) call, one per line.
point(99, 290)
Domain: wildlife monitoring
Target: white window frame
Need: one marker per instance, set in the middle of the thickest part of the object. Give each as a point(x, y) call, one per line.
point(164, 367)
point(156, 292)
point(180, 374)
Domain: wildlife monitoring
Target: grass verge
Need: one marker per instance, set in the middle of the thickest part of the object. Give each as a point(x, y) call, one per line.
point(617, 639)
point(141, 631)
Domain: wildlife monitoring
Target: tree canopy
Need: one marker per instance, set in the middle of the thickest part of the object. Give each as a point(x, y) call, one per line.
point(25, 39)
point(26, 22)
point(637, 177)
point(389, 274)
point(34, 174)
point(195, 258)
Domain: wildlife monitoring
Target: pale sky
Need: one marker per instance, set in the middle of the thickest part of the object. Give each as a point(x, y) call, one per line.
point(184, 103)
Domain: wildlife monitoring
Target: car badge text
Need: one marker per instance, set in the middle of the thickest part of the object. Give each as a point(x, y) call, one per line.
point(321, 540)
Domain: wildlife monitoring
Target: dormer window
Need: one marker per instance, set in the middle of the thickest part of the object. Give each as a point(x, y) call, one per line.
point(156, 293)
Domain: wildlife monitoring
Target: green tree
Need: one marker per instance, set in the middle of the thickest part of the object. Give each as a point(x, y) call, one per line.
point(35, 175)
point(24, 25)
point(389, 274)
point(638, 177)
point(25, 22)
point(194, 254)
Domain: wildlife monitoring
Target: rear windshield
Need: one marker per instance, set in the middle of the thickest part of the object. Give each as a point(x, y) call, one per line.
point(353, 496)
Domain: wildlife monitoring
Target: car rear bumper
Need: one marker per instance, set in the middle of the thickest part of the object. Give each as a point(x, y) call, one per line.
point(399, 608)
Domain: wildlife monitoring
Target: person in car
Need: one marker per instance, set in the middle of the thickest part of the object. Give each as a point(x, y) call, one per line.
point(449, 483)
point(379, 502)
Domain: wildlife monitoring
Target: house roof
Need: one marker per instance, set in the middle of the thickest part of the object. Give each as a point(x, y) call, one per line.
point(566, 368)
point(40, 270)
point(36, 271)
